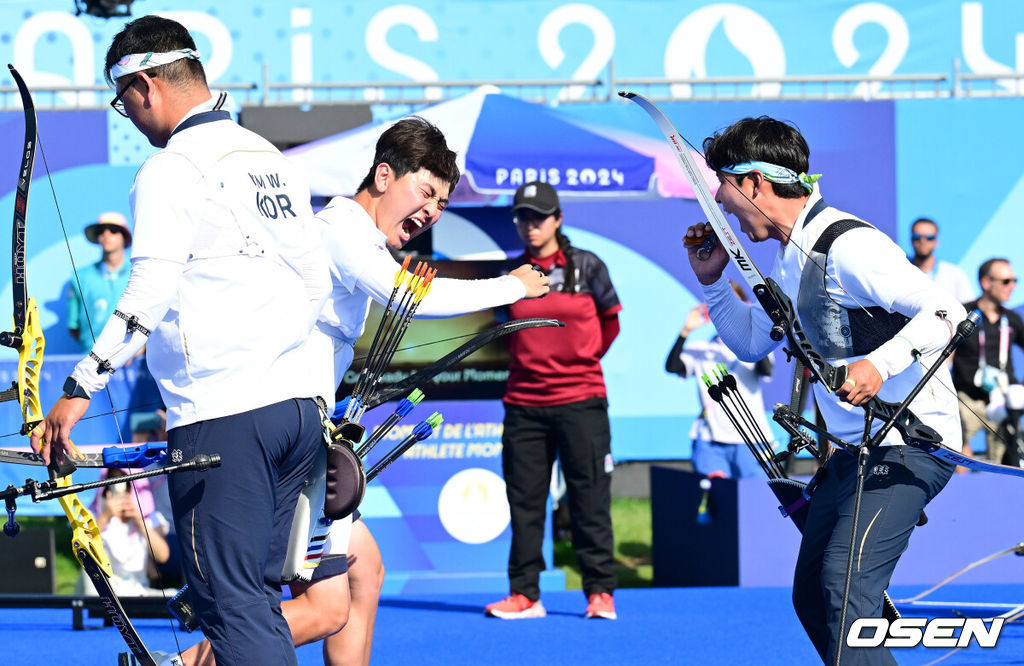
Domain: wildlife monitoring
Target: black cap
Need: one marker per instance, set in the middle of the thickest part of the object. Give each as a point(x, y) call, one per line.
point(536, 196)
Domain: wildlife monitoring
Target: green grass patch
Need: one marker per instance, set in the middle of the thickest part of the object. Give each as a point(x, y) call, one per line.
point(65, 564)
point(631, 521)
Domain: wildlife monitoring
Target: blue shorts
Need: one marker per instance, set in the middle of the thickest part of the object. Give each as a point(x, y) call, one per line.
point(735, 461)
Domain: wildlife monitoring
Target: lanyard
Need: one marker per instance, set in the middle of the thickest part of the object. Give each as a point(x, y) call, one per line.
point(1004, 344)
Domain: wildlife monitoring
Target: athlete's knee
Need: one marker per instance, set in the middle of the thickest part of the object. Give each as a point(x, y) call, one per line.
point(331, 615)
point(322, 608)
point(333, 620)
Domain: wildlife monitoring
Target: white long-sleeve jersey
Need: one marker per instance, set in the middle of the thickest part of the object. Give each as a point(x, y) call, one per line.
point(362, 269)
point(864, 268)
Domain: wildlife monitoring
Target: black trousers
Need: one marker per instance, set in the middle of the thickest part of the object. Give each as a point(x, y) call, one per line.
point(898, 482)
point(579, 433)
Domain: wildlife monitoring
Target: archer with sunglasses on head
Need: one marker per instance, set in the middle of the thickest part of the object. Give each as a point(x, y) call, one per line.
point(924, 238)
point(983, 379)
point(98, 286)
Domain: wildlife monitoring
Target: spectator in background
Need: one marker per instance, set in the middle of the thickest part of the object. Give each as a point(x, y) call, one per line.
point(983, 362)
point(92, 296)
point(94, 292)
point(555, 403)
point(717, 445)
point(924, 238)
point(151, 426)
point(124, 519)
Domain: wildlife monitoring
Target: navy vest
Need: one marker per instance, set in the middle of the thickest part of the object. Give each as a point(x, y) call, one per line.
point(835, 331)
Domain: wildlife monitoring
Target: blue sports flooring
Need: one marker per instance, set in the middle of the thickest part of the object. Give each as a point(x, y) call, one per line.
point(665, 626)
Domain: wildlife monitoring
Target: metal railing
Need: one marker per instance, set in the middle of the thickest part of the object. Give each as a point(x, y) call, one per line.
point(414, 93)
point(418, 93)
point(803, 88)
point(1008, 84)
point(564, 91)
point(92, 97)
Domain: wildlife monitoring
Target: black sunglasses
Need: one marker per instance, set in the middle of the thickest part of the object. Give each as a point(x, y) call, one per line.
point(1003, 281)
point(927, 237)
point(116, 103)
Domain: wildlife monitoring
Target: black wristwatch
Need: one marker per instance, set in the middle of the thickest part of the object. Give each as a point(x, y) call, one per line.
point(73, 389)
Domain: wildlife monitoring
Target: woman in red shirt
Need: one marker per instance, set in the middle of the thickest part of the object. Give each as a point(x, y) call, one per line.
point(556, 403)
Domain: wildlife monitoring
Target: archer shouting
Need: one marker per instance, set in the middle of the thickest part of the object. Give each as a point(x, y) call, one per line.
point(861, 304)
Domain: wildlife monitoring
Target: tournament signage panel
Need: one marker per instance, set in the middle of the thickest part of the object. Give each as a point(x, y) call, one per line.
point(440, 509)
point(568, 177)
point(480, 376)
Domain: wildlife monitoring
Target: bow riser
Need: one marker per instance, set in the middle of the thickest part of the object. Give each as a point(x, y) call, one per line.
point(780, 310)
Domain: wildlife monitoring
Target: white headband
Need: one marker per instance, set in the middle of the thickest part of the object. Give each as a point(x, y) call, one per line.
point(137, 62)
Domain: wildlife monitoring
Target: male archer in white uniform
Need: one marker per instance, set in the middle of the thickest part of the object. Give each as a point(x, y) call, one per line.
point(404, 193)
point(227, 281)
point(762, 165)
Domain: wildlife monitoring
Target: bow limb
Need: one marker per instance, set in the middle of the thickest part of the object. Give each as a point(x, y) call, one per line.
point(27, 338)
point(770, 297)
point(27, 335)
point(420, 378)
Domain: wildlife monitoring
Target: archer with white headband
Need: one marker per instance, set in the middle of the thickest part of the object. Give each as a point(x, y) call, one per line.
point(223, 245)
point(774, 173)
point(862, 305)
point(139, 62)
point(175, 76)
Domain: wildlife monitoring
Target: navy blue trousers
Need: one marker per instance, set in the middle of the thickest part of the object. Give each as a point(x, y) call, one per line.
point(233, 523)
point(899, 481)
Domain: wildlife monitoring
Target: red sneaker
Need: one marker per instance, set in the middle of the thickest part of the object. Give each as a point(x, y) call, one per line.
point(601, 604)
point(515, 607)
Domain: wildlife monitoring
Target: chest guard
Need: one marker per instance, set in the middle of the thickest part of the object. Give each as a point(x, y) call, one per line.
point(835, 331)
